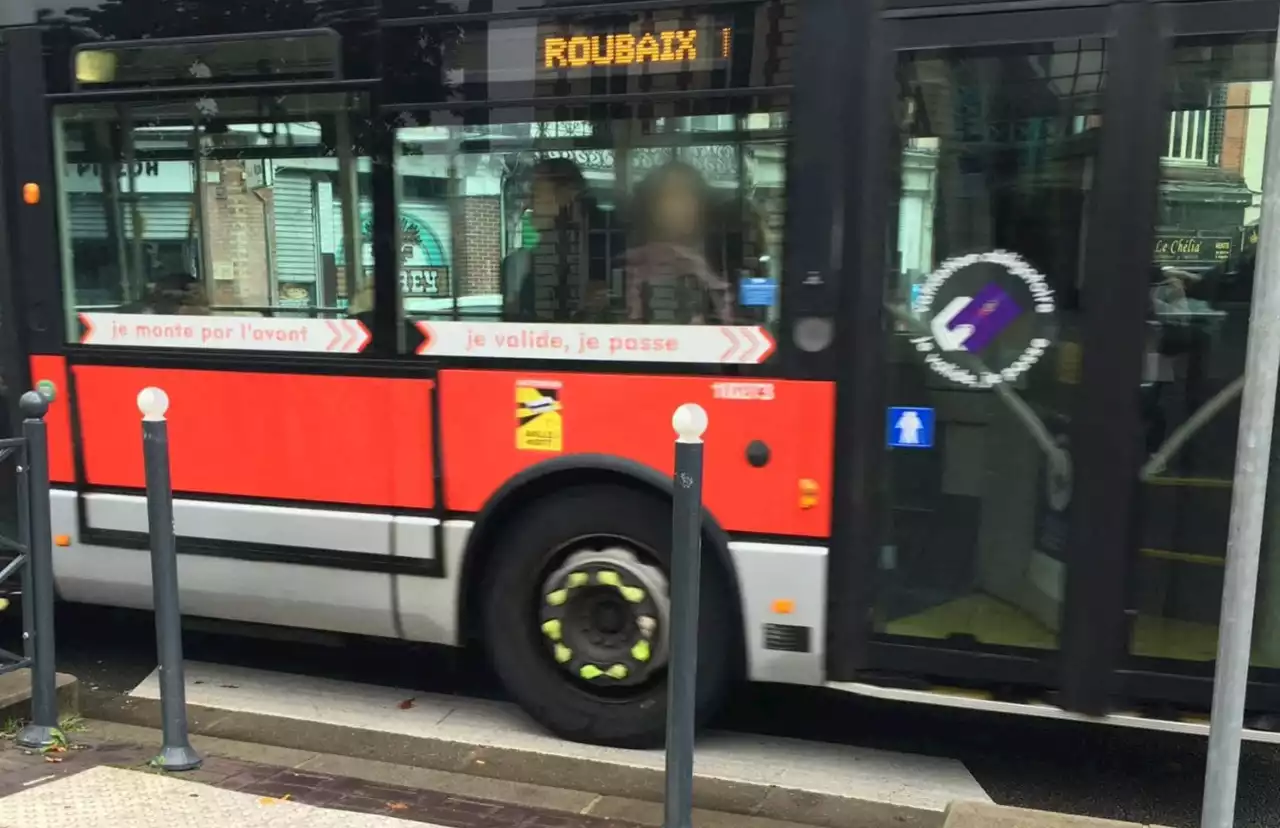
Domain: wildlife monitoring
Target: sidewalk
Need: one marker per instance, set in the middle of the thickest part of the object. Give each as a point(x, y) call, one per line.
point(103, 781)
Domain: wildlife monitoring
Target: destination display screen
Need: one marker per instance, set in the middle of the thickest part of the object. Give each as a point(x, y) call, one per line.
point(674, 47)
point(725, 46)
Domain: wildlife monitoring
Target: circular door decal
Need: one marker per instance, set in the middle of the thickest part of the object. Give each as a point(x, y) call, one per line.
point(992, 307)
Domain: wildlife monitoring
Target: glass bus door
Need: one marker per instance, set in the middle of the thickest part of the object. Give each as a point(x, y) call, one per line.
point(1215, 88)
point(999, 279)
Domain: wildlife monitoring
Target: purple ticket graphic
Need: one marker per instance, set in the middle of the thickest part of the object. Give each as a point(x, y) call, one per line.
point(989, 313)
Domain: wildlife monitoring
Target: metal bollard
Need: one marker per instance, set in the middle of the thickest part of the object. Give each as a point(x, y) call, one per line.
point(177, 753)
point(689, 422)
point(42, 731)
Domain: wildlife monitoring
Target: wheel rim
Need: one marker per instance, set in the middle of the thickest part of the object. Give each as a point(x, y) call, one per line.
point(603, 614)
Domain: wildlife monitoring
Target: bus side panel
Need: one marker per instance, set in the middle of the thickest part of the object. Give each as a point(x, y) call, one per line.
point(331, 439)
point(62, 467)
point(629, 416)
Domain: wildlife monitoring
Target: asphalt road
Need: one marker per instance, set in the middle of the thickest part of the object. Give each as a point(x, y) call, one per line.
point(1066, 766)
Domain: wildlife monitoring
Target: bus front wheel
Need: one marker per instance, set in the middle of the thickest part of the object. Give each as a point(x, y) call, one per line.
point(576, 613)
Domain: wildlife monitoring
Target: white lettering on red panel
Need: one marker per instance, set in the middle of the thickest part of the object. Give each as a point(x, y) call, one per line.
point(737, 344)
point(239, 333)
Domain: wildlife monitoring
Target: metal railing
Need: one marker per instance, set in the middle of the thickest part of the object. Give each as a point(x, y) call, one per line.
point(32, 563)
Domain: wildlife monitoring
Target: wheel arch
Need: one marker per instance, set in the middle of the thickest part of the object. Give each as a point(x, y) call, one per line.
point(543, 480)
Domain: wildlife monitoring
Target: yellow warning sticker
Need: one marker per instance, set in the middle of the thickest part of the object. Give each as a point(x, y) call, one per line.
point(539, 416)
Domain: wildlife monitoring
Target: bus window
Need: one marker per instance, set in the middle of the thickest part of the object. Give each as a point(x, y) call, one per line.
point(636, 221)
point(995, 161)
point(1197, 325)
point(247, 207)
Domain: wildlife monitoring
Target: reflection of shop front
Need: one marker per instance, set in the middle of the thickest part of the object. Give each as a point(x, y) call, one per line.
point(151, 230)
point(1202, 213)
point(424, 255)
point(1195, 252)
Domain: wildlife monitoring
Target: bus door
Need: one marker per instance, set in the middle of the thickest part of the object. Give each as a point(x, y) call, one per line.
point(987, 421)
point(1214, 83)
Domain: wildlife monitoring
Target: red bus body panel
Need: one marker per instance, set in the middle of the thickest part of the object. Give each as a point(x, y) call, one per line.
point(363, 441)
point(366, 441)
point(62, 467)
point(630, 416)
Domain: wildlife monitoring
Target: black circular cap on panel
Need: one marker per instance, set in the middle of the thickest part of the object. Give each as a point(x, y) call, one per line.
point(757, 453)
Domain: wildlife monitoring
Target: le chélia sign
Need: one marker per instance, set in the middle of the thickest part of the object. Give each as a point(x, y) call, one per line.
point(1203, 249)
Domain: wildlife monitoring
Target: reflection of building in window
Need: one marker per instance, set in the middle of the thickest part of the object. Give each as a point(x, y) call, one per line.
point(209, 200)
point(150, 231)
point(424, 253)
point(1035, 113)
point(1211, 172)
point(424, 281)
point(237, 216)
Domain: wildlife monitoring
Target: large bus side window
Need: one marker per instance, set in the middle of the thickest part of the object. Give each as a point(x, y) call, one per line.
point(666, 220)
point(237, 206)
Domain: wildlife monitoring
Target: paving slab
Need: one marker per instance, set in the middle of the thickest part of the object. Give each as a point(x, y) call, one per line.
point(105, 797)
point(331, 781)
point(274, 773)
point(785, 779)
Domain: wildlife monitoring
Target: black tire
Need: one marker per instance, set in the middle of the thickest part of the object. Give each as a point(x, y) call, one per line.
point(524, 555)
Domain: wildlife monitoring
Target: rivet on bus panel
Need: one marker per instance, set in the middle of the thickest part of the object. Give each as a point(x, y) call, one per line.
point(31, 193)
point(808, 493)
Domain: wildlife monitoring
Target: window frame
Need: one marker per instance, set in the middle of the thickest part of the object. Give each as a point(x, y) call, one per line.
point(357, 107)
point(783, 363)
point(679, 140)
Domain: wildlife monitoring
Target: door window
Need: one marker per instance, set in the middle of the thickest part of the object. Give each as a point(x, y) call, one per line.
point(984, 294)
point(1200, 290)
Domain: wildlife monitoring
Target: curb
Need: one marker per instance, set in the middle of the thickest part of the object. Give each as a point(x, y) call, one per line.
point(15, 695)
point(592, 775)
point(986, 815)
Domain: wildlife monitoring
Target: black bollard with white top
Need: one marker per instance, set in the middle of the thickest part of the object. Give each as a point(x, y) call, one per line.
point(689, 422)
point(176, 753)
point(37, 579)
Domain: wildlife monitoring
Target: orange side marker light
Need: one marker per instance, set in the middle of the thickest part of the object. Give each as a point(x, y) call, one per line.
point(31, 193)
point(783, 606)
point(808, 493)
point(61, 540)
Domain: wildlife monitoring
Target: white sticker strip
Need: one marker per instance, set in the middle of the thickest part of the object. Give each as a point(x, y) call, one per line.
point(740, 344)
point(240, 333)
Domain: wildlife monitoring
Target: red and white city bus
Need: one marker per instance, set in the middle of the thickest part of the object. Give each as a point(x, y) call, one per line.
point(963, 287)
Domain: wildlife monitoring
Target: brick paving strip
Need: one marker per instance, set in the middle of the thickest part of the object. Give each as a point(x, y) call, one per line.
point(21, 769)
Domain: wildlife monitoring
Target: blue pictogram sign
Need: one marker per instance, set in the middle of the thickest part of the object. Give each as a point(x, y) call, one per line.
point(909, 428)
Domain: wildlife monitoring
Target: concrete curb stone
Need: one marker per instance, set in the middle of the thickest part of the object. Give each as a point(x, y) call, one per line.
point(987, 815)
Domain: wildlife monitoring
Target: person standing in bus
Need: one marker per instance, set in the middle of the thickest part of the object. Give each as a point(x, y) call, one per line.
point(549, 281)
point(675, 274)
point(173, 293)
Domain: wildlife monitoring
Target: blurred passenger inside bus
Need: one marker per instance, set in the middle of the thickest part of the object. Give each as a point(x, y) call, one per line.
point(173, 293)
point(674, 264)
point(550, 281)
